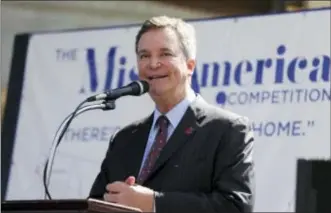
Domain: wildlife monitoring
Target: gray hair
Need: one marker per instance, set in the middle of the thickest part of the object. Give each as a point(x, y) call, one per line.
point(184, 31)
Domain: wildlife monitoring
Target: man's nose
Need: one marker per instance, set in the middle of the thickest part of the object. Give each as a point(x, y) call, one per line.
point(154, 63)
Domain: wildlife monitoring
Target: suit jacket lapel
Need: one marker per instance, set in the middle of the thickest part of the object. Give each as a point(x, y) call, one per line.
point(183, 133)
point(136, 149)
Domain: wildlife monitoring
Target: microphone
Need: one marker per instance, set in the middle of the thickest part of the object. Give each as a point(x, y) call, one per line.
point(135, 88)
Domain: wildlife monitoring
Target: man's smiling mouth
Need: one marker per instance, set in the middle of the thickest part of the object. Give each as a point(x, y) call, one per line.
point(156, 77)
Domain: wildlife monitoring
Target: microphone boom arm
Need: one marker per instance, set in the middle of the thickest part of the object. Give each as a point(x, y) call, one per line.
point(106, 105)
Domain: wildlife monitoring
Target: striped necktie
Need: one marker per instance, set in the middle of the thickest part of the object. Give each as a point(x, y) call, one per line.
point(159, 143)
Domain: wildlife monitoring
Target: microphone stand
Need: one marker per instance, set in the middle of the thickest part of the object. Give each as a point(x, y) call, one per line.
point(105, 105)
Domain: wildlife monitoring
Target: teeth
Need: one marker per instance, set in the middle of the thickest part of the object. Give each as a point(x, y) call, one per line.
point(155, 77)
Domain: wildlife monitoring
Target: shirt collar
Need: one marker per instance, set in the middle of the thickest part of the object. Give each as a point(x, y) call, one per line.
point(176, 113)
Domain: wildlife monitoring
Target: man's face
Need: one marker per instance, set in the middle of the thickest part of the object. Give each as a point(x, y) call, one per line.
point(161, 62)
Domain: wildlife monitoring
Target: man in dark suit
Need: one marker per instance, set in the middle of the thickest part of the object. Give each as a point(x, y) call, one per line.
point(188, 155)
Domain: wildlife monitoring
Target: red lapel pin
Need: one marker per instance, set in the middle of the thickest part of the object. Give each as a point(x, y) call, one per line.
point(188, 130)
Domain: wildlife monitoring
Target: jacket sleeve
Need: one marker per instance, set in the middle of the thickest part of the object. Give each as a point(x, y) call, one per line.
point(233, 176)
point(99, 185)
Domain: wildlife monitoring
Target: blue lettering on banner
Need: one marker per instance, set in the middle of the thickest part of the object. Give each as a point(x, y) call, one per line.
point(111, 60)
point(225, 74)
point(300, 95)
point(87, 134)
point(282, 128)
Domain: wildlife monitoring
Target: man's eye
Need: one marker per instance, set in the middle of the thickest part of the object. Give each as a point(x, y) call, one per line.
point(166, 54)
point(143, 56)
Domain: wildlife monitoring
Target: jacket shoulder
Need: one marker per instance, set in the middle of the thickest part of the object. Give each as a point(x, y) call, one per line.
point(225, 116)
point(128, 128)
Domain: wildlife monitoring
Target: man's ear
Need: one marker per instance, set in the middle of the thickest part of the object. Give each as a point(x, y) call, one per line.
point(190, 66)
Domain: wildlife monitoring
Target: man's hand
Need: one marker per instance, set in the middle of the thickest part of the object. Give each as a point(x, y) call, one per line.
point(130, 180)
point(130, 194)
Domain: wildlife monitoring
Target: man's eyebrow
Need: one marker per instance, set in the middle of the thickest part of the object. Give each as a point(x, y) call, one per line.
point(146, 51)
point(142, 51)
point(166, 49)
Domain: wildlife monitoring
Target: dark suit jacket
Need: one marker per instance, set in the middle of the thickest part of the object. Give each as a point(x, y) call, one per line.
point(206, 166)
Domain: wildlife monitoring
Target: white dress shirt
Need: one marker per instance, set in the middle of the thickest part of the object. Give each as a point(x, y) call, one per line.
point(174, 116)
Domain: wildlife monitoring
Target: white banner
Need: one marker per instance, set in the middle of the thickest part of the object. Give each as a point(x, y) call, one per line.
point(274, 69)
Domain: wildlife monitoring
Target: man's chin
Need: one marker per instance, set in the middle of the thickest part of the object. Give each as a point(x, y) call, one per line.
point(157, 93)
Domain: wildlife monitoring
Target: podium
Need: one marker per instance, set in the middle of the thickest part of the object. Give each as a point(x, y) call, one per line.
point(64, 206)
